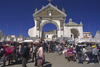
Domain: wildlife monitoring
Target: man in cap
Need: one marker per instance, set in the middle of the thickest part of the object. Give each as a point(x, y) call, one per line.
point(25, 55)
point(95, 53)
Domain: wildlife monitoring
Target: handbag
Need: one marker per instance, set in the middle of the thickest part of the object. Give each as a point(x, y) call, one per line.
point(39, 62)
point(2, 58)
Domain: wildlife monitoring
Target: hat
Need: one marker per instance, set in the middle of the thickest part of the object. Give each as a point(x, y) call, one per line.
point(7, 45)
point(93, 46)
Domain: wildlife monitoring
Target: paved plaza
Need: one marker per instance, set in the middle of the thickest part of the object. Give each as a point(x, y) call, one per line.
point(54, 60)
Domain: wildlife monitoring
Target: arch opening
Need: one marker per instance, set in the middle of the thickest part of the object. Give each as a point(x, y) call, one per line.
point(49, 30)
point(74, 33)
point(42, 24)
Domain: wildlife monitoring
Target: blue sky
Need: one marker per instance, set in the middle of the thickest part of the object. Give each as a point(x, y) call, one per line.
point(16, 12)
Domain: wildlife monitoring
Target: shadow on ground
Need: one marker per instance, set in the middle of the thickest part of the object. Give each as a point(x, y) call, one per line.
point(1, 63)
point(46, 64)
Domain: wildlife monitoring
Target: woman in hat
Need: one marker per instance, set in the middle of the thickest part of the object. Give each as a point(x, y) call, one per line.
point(7, 54)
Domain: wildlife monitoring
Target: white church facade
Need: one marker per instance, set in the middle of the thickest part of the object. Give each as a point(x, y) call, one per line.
point(51, 14)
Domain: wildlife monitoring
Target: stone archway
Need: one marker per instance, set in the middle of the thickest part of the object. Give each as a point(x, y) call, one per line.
point(75, 33)
point(44, 23)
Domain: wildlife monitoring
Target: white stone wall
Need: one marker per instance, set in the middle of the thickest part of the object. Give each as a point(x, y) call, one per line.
point(87, 40)
point(81, 31)
point(49, 36)
point(2, 39)
point(97, 37)
point(8, 38)
point(67, 31)
point(32, 31)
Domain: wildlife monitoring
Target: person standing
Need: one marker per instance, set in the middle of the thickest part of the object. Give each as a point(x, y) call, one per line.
point(7, 54)
point(89, 53)
point(79, 54)
point(95, 54)
point(25, 55)
point(34, 50)
point(41, 58)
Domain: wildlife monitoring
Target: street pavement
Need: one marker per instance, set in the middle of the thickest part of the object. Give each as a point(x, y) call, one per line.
point(54, 60)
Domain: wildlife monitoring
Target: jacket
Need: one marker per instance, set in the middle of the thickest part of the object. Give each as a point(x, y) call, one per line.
point(78, 49)
point(25, 52)
point(95, 51)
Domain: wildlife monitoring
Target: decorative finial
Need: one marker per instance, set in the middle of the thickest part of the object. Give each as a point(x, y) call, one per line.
point(70, 20)
point(42, 6)
point(56, 6)
point(81, 23)
point(63, 10)
point(49, 1)
point(36, 10)
point(20, 34)
point(98, 31)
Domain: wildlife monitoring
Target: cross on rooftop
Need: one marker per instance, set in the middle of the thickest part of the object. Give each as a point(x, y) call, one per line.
point(49, 1)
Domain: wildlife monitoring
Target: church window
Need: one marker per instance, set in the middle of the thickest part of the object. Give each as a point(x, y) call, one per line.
point(49, 13)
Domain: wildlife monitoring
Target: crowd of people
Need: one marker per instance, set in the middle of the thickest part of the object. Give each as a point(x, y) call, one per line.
point(35, 51)
point(22, 52)
point(89, 53)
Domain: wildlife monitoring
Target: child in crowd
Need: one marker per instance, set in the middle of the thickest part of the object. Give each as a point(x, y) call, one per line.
point(87, 59)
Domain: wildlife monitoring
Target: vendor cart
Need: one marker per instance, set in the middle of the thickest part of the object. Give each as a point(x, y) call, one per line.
point(70, 56)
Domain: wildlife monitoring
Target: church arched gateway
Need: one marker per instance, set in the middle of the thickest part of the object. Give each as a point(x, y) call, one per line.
point(51, 14)
point(41, 34)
